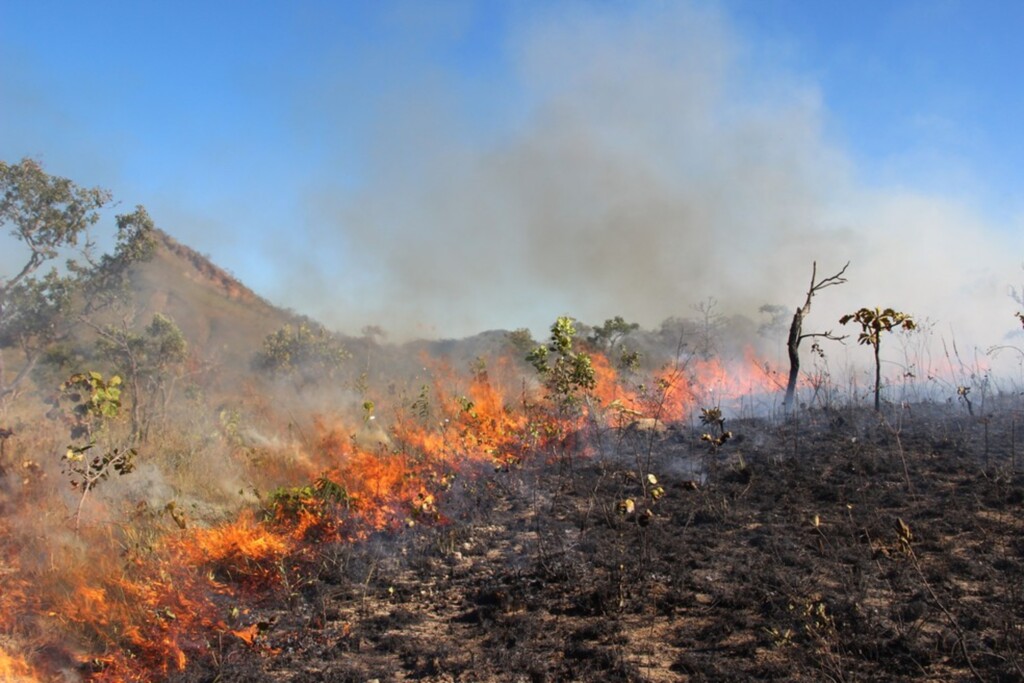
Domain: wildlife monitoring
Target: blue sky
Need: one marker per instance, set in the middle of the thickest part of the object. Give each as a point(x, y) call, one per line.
point(440, 168)
point(908, 82)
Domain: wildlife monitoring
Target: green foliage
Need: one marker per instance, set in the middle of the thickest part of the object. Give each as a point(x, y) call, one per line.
point(32, 310)
point(467, 406)
point(161, 345)
point(629, 360)
point(50, 217)
point(47, 213)
point(478, 368)
point(608, 335)
point(608, 339)
point(288, 501)
point(57, 362)
point(104, 282)
point(147, 361)
point(166, 341)
point(308, 352)
point(521, 340)
point(88, 404)
point(567, 374)
point(230, 419)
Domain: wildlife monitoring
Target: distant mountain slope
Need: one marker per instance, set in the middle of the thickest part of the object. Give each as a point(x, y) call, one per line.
point(222, 319)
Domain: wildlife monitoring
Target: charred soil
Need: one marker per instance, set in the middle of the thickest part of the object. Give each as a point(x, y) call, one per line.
point(840, 546)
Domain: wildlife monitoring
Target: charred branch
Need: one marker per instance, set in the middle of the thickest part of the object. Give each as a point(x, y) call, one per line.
point(796, 333)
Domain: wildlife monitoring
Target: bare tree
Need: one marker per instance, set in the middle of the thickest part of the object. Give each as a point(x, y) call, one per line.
point(796, 333)
point(711, 323)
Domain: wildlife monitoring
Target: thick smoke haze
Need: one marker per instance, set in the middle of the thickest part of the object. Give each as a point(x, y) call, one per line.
point(655, 165)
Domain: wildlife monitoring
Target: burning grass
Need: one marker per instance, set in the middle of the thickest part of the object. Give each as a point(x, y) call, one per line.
point(143, 589)
point(810, 562)
point(149, 591)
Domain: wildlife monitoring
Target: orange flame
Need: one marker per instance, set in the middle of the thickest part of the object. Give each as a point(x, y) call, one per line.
point(15, 669)
point(145, 614)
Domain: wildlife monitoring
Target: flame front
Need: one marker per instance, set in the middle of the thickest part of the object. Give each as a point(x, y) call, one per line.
point(134, 612)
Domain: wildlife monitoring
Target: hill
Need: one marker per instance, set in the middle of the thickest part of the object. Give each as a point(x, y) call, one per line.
point(224, 321)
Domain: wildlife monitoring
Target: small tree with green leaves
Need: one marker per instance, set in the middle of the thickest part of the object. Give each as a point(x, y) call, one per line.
point(47, 215)
point(874, 321)
point(50, 217)
point(306, 352)
point(567, 374)
point(614, 330)
point(89, 404)
point(148, 361)
point(609, 338)
point(521, 340)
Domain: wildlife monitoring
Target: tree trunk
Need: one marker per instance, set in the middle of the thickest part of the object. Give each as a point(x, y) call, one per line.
point(136, 399)
point(793, 347)
point(878, 378)
point(10, 390)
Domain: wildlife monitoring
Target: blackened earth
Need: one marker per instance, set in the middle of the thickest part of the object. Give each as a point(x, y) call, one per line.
point(839, 546)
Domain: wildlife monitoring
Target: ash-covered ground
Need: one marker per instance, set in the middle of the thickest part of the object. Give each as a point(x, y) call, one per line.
point(838, 546)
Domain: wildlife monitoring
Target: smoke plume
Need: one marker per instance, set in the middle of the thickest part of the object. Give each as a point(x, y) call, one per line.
point(653, 166)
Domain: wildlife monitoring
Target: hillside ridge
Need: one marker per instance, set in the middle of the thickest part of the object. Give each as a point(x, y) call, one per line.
point(208, 270)
point(223, 320)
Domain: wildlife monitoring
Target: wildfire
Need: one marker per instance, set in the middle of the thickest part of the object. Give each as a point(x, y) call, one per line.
point(679, 389)
point(15, 670)
point(136, 614)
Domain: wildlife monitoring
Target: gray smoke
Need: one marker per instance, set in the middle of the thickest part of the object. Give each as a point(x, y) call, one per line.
point(651, 168)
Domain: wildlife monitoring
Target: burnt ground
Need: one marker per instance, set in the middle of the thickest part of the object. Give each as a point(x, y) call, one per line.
point(837, 547)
